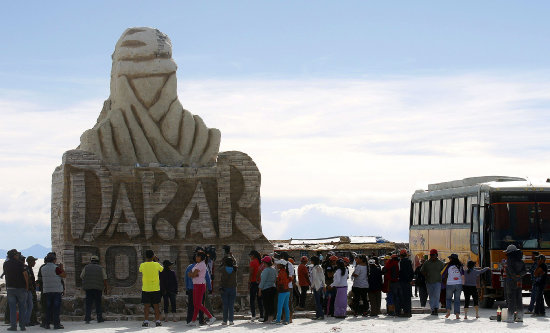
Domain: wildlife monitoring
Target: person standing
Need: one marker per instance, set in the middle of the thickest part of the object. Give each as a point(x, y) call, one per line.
point(375, 288)
point(540, 282)
point(168, 289)
point(318, 287)
point(535, 258)
point(253, 266)
point(420, 283)
point(31, 314)
point(431, 269)
point(360, 286)
point(228, 290)
point(453, 278)
point(515, 270)
point(267, 288)
point(283, 291)
point(341, 285)
point(330, 295)
point(94, 283)
point(470, 286)
point(198, 274)
point(52, 288)
point(150, 290)
point(303, 281)
point(17, 286)
point(406, 275)
point(391, 277)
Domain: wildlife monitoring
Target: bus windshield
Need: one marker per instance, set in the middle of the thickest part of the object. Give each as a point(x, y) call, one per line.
point(524, 224)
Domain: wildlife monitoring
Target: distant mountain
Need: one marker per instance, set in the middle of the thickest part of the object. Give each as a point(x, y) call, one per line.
point(38, 251)
point(3, 253)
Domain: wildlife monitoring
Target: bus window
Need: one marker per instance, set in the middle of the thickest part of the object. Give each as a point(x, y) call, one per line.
point(447, 211)
point(468, 210)
point(514, 224)
point(425, 213)
point(436, 212)
point(459, 210)
point(416, 213)
point(544, 215)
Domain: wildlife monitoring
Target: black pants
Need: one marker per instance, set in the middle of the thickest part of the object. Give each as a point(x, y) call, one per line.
point(539, 300)
point(360, 294)
point(470, 291)
point(423, 291)
point(191, 308)
point(268, 297)
point(169, 298)
point(53, 309)
point(303, 293)
point(405, 295)
point(253, 298)
point(93, 296)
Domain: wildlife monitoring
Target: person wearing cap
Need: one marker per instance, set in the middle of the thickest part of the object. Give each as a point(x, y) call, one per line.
point(168, 289)
point(228, 288)
point(360, 286)
point(375, 287)
point(539, 284)
point(52, 289)
point(17, 285)
point(94, 282)
point(303, 281)
point(253, 266)
point(318, 287)
point(515, 270)
point(420, 283)
point(532, 269)
point(406, 275)
point(470, 286)
point(431, 270)
point(268, 289)
point(330, 268)
point(28, 301)
point(452, 277)
point(283, 282)
point(31, 314)
point(291, 283)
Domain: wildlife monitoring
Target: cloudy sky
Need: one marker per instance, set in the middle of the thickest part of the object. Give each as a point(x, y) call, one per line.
point(346, 107)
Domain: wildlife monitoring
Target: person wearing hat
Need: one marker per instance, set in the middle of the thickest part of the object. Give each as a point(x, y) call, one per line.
point(329, 268)
point(532, 269)
point(515, 270)
point(283, 284)
point(52, 275)
point(375, 288)
point(431, 270)
point(420, 284)
point(303, 281)
point(168, 289)
point(94, 283)
point(391, 284)
point(406, 275)
point(267, 288)
point(32, 300)
point(540, 282)
point(17, 285)
point(452, 277)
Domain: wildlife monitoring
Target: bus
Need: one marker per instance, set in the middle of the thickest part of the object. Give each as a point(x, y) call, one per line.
point(477, 218)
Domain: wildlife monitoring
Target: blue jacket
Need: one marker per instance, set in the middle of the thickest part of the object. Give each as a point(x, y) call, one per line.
point(189, 281)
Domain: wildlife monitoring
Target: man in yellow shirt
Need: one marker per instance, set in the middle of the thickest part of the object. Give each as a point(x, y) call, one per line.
point(150, 290)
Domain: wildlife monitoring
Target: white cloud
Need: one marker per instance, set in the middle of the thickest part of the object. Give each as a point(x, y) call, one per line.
point(359, 147)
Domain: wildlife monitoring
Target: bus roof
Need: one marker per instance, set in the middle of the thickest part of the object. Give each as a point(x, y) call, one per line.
point(471, 181)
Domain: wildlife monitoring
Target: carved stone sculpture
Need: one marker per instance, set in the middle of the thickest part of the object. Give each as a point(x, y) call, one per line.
point(143, 121)
point(148, 175)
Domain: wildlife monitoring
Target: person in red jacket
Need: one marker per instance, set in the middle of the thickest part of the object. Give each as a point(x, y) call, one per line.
point(255, 260)
point(303, 281)
point(391, 282)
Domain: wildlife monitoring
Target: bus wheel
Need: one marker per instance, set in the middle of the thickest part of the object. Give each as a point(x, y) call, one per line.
point(547, 297)
point(485, 302)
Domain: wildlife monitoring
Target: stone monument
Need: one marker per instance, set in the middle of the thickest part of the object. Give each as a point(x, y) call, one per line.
point(149, 175)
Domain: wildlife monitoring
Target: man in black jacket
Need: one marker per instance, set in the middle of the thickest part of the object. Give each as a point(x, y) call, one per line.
point(406, 275)
point(515, 270)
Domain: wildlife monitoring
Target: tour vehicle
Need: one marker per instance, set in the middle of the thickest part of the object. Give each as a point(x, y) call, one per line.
point(477, 218)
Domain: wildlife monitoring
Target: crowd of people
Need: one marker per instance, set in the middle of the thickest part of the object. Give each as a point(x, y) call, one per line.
point(276, 287)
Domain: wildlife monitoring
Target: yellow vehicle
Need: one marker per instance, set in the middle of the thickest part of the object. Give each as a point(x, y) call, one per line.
point(477, 218)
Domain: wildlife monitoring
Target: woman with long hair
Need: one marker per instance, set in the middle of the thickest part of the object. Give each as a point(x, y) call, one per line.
point(470, 286)
point(453, 277)
point(254, 265)
point(198, 274)
point(283, 280)
point(341, 285)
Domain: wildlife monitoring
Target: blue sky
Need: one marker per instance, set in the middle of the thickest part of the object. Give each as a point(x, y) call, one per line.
point(347, 107)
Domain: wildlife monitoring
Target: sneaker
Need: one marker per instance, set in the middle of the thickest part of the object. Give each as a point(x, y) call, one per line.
point(100, 320)
point(224, 323)
point(11, 328)
point(211, 320)
point(192, 323)
point(58, 327)
point(145, 324)
point(158, 323)
point(286, 323)
point(230, 323)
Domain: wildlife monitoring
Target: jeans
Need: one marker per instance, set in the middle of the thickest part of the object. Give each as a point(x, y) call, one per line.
point(93, 296)
point(53, 308)
point(253, 298)
point(17, 297)
point(434, 289)
point(318, 295)
point(395, 288)
point(282, 303)
point(169, 299)
point(453, 290)
point(28, 307)
point(405, 295)
point(228, 300)
point(331, 297)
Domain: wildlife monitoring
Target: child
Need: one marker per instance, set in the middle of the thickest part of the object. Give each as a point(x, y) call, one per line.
point(168, 288)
